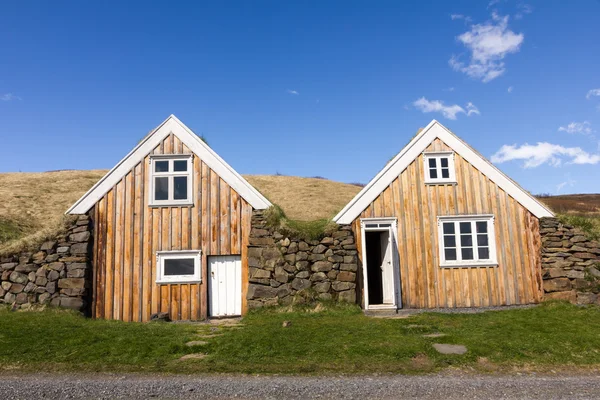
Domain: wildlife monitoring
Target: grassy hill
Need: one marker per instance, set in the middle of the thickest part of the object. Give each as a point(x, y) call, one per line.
point(32, 205)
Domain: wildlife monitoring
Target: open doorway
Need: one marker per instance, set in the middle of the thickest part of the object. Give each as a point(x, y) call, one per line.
point(379, 266)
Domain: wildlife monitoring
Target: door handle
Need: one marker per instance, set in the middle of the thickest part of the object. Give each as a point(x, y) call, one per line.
point(212, 273)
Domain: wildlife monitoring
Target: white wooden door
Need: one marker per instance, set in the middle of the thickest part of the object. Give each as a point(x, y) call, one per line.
point(225, 286)
point(387, 269)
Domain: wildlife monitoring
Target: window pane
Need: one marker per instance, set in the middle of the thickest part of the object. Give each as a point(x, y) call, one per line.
point(467, 253)
point(465, 227)
point(445, 173)
point(433, 173)
point(432, 163)
point(450, 241)
point(484, 253)
point(180, 187)
point(444, 162)
point(161, 166)
point(466, 240)
point(450, 254)
point(448, 228)
point(482, 240)
point(179, 266)
point(180, 165)
point(161, 188)
point(481, 226)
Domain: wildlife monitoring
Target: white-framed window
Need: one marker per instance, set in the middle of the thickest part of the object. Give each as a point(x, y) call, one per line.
point(178, 266)
point(439, 167)
point(171, 180)
point(467, 241)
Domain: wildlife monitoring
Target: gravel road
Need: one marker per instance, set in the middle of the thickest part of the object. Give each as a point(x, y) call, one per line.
point(444, 386)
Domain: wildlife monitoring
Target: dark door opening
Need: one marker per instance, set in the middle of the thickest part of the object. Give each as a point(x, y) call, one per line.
point(373, 242)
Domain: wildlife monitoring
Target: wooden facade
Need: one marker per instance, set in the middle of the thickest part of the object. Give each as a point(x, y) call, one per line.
point(416, 205)
point(128, 232)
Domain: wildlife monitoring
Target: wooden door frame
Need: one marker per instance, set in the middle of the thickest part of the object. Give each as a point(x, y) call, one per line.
point(392, 247)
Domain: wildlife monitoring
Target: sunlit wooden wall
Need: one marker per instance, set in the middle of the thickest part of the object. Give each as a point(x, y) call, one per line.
point(517, 278)
point(128, 233)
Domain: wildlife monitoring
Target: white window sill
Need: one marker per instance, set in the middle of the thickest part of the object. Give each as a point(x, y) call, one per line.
point(177, 282)
point(441, 183)
point(186, 204)
point(468, 265)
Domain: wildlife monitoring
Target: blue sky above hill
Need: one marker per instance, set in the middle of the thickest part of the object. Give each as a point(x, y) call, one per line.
point(331, 89)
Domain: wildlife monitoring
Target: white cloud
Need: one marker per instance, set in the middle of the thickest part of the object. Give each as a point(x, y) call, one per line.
point(294, 92)
point(449, 112)
point(569, 182)
point(510, 89)
point(450, 89)
point(488, 44)
point(465, 18)
point(471, 109)
point(591, 93)
point(577, 127)
point(522, 10)
point(9, 97)
point(542, 153)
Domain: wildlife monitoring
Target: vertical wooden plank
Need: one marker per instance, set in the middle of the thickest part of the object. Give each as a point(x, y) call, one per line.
point(399, 209)
point(411, 290)
point(520, 251)
point(427, 290)
point(156, 246)
point(146, 247)
point(137, 265)
point(119, 222)
point(126, 250)
point(165, 245)
point(503, 240)
point(214, 214)
point(535, 252)
point(224, 219)
point(100, 229)
point(234, 222)
point(205, 229)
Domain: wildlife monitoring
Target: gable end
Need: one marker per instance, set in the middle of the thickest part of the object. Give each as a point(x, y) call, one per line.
point(417, 146)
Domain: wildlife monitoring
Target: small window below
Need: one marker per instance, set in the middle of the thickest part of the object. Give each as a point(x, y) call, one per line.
point(178, 266)
point(439, 167)
point(467, 241)
point(170, 180)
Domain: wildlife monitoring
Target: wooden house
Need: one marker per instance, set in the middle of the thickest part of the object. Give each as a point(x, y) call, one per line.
point(171, 226)
point(440, 226)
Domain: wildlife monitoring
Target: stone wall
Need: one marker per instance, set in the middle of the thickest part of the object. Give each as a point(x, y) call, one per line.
point(285, 269)
point(58, 273)
point(570, 263)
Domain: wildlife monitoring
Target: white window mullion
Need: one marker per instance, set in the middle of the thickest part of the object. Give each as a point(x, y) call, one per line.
point(474, 239)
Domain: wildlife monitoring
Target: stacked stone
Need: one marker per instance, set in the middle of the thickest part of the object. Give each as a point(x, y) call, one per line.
point(570, 263)
point(56, 274)
point(281, 267)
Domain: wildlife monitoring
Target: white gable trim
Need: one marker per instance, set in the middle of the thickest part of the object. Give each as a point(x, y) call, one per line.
point(194, 143)
point(417, 146)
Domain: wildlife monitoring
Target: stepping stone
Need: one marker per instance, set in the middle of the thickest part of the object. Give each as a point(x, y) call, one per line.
point(196, 343)
point(434, 335)
point(195, 356)
point(208, 335)
point(450, 348)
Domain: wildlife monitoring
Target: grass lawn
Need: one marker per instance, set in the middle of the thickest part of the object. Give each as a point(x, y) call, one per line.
point(330, 339)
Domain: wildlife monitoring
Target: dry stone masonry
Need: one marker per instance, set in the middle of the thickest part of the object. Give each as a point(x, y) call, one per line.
point(284, 269)
point(570, 263)
point(57, 274)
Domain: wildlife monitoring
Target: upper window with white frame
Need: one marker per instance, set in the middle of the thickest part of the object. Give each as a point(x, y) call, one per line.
point(439, 167)
point(178, 266)
point(467, 241)
point(171, 180)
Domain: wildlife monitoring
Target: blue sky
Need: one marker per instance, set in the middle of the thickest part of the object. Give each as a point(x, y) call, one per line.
point(332, 89)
